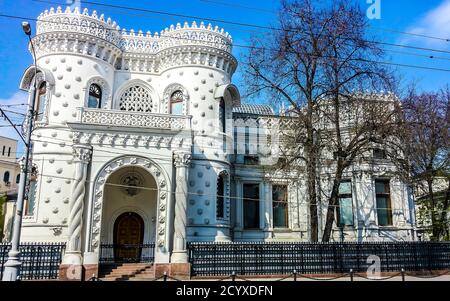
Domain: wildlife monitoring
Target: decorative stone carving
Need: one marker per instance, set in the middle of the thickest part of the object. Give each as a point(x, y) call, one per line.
point(82, 156)
point(169, 91)
point(133, 119)
point(160, 179)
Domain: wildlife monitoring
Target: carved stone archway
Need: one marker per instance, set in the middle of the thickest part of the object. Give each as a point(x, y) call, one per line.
point(163, 187)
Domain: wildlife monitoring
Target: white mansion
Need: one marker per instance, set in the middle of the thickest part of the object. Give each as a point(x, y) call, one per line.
point(133, 144)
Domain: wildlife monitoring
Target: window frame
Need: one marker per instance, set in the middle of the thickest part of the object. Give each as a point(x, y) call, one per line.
point(285, 202)
point(7, 177)
point(99, 96)
point(41, 92)
point(172, 102)
point(220, 198)
point(388, 209)
point(338, 207)
point(243, 198)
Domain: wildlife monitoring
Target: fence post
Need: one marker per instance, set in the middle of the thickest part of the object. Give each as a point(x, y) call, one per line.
point(403, 274)
point(295, 275)
point(351, 275)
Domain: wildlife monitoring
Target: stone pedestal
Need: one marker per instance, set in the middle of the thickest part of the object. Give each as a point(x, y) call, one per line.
point(181, 271)
point(89, 271)
point(70, 272)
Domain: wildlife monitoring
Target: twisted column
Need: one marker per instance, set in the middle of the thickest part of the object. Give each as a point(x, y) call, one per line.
point(82, 157)
point(181, 162)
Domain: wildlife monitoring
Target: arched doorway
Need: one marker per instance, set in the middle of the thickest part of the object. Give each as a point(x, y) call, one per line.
point(128, 237)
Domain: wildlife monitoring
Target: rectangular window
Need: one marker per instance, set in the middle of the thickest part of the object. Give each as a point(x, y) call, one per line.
point(251, 160)
point(3, 152)
point(251, 206)
point(384, 210)
point(280, 206)
point(345, 210)
point(9, 151)
point(379, 153)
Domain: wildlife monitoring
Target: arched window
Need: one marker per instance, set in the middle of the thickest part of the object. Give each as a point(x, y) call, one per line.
point(176, 103)
point(6, 177)
point(40, 101)
point(222, 116)
point(136, 99)
point(18, 179)
point(220, 202)
point(95, 97)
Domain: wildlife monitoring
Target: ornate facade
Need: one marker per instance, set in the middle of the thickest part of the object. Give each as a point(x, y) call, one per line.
point(134, 144)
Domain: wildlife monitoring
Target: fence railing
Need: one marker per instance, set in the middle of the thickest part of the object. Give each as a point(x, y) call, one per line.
point(219, 259)
point(39, 260)
point(127, 253)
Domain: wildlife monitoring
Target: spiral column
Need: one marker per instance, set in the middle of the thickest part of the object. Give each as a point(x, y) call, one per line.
point(82, 157)
point(181, 162)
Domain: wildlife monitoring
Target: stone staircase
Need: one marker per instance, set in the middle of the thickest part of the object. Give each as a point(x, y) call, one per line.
point(127, 272)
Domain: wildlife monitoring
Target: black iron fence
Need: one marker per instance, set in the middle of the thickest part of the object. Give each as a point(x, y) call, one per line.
point(219, 259)
point(127, 253)
point(39, 260)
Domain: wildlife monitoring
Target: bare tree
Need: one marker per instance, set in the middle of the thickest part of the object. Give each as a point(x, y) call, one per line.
point(424, 140)
point(315, 64)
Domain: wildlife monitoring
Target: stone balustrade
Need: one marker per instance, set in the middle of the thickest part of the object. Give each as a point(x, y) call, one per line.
point(117, 118)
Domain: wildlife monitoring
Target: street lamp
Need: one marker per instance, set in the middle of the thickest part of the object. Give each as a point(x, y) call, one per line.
point(13, 264)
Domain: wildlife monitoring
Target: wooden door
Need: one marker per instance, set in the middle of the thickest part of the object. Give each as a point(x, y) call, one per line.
point(128, 237)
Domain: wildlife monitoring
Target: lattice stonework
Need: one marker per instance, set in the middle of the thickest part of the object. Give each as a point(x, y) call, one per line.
point(136, 99)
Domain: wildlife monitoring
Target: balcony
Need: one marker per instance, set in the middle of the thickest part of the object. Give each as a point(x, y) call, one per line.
point(116, 118)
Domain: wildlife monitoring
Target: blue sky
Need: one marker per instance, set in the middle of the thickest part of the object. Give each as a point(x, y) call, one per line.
point(430, 17)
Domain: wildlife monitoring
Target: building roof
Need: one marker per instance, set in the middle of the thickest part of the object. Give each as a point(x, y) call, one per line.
point(253, 109)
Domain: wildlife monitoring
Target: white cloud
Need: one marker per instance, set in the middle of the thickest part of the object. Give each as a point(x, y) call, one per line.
point(19, 97)
point(436, 23)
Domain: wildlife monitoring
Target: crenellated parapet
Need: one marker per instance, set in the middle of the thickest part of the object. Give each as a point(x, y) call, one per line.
point(74, 31)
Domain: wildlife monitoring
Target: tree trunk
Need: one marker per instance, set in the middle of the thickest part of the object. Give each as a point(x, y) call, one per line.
point(434, 225)
point(312, 194)
point(333, 202)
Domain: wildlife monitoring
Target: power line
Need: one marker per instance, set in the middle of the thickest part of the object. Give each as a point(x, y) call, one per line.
point(211, 195)
point(370, 26)
point(274, 50)
point(226, 22)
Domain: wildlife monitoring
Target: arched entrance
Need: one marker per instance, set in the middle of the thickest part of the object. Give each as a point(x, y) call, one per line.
point(128, 237)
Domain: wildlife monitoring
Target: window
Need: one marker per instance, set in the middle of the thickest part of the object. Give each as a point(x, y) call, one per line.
point(9, 151)
point(40, 101)
point(3, 151)
point(251, 160)
point(345, 209)
point(176, 103)
point(95, 97)
point(222, 116)
point(18, 179)
point(136, 99)
point(220, 197)
point(6, 177)
point(280, 206)
point(379, 153)
point(251, 206)
point(31, 200)
point(31, 195)
point(383, 197)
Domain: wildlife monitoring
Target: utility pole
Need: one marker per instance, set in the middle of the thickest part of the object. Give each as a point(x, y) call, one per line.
point(13, 264)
